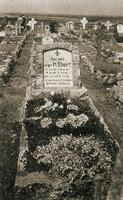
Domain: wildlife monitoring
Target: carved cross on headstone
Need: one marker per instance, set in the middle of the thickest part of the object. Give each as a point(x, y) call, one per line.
point(57, 53)
point(108, 24)
point(84, 21)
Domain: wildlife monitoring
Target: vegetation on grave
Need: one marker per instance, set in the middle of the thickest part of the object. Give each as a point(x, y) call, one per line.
point(107, 68)
point(61, 112)
point(10, 128)
point(9, 150)
point(77, 160)
point(69, 156)
point(11, 49)
point(60, 146)
point(57, 113)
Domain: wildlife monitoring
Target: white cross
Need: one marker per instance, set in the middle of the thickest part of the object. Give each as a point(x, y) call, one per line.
point(108, 24)
point(32, 23)
point(84, 21)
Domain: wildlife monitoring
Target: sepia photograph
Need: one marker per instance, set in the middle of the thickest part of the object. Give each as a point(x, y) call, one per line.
point(61, 100)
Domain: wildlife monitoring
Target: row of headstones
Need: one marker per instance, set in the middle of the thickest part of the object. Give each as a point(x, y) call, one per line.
point(83, 24)
point(21, 25)
point(26, 24)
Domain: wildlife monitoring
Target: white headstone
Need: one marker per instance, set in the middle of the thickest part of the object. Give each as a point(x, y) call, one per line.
point(47, 28)
point(95, 27)
point(58, 69)
point(47, 40)
point(108, 24)
point(84, 21)
point(70, 25)
point(32, 23)
point(2, 34)
point(120, 29)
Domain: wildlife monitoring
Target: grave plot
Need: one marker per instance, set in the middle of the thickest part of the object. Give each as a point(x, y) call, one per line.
point(107, 67)
point(11, 99)
point(66, 151)
point(10, 49)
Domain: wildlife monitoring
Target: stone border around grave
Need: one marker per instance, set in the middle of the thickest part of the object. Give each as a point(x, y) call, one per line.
point(82, 93)
point(35, 89)
point(112, 146)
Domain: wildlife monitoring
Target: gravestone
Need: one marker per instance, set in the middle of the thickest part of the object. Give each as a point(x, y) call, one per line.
point(95, 27)
point(84, 21)
point(108, 24)
point(2, 34)
point(120, 29)
point(70, 25)
point(47, 40)
point(32, 24)
point(60, 65)
point(47, 28)
point(58, 69)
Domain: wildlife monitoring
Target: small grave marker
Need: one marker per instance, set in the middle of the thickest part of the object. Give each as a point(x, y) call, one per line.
point(70, 25)
point(84, 21)
point(120, 29)
point(47, 28)
point(108, 24)
point(2, 34)
point(32, 23)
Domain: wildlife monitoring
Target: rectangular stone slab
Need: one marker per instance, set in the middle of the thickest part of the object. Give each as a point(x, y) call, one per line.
point(58, 69)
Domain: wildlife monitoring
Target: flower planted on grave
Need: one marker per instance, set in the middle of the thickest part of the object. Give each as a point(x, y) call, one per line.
point(59, 111)
point(76, 161)
point(45, 122)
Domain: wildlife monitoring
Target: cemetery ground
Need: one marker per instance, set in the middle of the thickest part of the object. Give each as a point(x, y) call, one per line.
point(13, 94)
point(112, 113)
